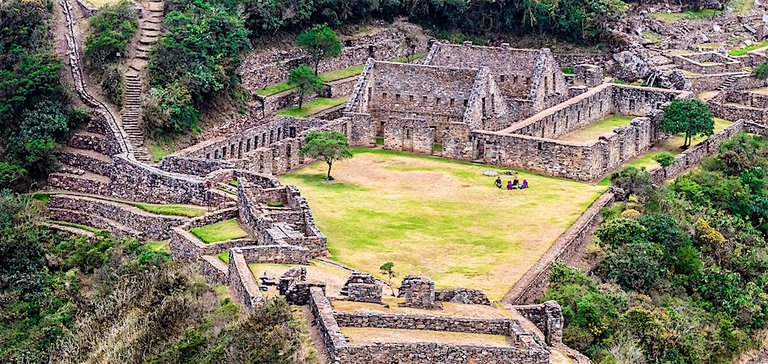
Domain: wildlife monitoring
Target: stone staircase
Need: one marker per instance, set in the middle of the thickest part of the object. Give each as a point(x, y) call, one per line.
point(727, 83)
point(150, 30)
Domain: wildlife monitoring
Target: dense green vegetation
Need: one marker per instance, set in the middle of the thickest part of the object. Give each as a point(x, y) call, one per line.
point(111, 28)
point(193, 63)
point(680, 275)
point(761, 71)
point(60, 292)
point(35, 109)
point(690, 117)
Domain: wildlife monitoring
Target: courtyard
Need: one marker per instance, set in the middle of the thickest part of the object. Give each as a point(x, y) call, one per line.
point(439, 218)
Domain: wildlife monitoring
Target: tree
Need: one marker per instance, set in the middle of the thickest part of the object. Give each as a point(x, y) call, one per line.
point(691, 117)
point(633, 181)
point(330, 146)
point(320, 42)
point(388, 270)
point(308, 82)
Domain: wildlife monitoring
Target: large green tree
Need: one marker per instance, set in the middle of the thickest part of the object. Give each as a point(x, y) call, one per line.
point(329, 146)
point(691, 116)
point(306, 80)
point(320, 42)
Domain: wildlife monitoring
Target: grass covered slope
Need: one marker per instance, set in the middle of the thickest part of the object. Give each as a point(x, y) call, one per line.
point(594, 130)
point(220, 231)
point(440, 218)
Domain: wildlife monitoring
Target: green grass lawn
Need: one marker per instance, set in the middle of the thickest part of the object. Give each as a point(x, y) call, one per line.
point(671, 145)
point(160, 245)
point(78, 226)
point(438, 217)
point(275, 89)
point(158, 150)
point(220, 231)
point(313, 106)
point(594, 130)
point(173, 210)
point(741, 51)
point(413, 58)
point(223, 256)
point(686, 15)
point(343, 73)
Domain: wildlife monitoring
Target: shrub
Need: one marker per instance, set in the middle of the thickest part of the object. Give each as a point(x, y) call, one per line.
point(633, 181)
point(112, 83)
point(761, 71)
point(112, 27)
point(665, 159)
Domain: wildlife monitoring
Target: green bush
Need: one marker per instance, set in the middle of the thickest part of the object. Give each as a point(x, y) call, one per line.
point(665, 159)
point(111, 80)
point(112, 27)
point(761, 71)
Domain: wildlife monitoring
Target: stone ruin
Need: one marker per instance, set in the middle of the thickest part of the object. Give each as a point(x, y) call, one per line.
point(295, 287)
point(419, 292)
point(362, 287)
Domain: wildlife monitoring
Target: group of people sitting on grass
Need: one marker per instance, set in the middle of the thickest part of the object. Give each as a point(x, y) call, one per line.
point(514, 184)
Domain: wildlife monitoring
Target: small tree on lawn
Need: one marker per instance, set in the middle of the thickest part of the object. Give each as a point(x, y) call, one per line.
point(320, 42)
point(388, 269)
point(330, 146)
point(691, 117)
point(306, 81)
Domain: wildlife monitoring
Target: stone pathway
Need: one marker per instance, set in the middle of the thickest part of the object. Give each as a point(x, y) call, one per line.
point(150, 29)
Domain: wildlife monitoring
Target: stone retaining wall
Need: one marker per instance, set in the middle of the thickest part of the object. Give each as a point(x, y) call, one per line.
point(532, 285)
point(277, 254)
point(505, 327)
point(692, 156)
point(242, 283)
point(154, 227)
point(84, 218)
point(430, 353)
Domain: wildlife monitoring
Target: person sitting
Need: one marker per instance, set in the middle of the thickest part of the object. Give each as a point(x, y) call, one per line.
point(498, 182)
point(525, 184)
point(515, 184)
point(509, 185)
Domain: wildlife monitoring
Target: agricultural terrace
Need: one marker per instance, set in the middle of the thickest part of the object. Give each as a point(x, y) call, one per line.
point(439, 218)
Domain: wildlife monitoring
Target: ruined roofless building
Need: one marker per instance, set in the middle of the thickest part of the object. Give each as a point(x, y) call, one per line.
point(529, 80)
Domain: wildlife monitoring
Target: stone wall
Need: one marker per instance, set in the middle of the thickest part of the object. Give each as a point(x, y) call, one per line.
point(266, 67)
point(329, 329)
point(548, 317)
point(505, 327)
point(692, 156)
point(135, 181)
point(243, 285)
point(462, 295)
point(277, 254)
point(532, 285)
point(153, 227)
point(707, 63)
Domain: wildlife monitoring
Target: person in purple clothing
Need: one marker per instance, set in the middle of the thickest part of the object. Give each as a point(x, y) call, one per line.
point(509, 185)
point(525, 184)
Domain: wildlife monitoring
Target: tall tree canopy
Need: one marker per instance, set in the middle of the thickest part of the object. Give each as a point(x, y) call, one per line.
point(320, 42)
point(691, 117)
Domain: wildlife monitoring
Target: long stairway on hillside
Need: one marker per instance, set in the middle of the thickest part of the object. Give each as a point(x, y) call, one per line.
point(150, 29)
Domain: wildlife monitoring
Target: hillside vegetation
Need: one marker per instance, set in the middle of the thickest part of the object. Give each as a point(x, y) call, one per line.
point(75, 299)
point(35, 109)
point(680, 274)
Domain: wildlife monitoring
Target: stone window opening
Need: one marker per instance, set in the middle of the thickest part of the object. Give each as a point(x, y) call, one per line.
point(397, 97)
point(247, 145)
point(288, 152)
point(501, 78)
point(424, 99)
point(292, 131)
point(207, 155)
point(278, 134)
point(437, 101)
point(240, 149)
point(410, 98)
point(271, 136)
point(407, 131)
point(224, 152)
point(540, 146)
point(466, 102)
point(484, 110)
point(493, 105)
point(232, 151)
point(384, 95)
point(264, 139)
point(631, 104)
point(451, 102)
